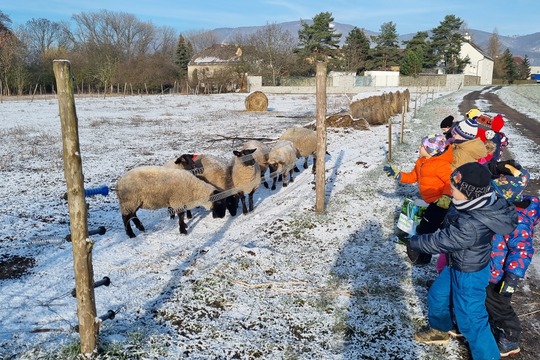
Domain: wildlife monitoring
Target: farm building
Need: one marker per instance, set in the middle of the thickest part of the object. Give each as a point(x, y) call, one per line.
point(481, 65)
point(219, 68)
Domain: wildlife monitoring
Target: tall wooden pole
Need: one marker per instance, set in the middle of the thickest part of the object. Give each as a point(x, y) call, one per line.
point(320, 181)
point(81, 245)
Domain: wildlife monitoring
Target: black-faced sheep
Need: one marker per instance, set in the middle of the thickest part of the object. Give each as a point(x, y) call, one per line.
point(281, 162)
point(305, 141)
point(260, 155)
point(214, 171)
point(245, 176)
point(156, 187)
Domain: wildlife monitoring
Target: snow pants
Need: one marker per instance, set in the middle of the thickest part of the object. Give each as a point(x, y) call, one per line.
point(464, 295)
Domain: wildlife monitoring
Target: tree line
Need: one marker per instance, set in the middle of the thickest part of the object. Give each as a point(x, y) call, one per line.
point(115, 51)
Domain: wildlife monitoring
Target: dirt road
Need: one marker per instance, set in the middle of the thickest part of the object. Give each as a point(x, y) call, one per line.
point(525, 302)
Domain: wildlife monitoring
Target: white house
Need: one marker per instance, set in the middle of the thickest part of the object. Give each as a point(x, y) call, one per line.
point(481, 65)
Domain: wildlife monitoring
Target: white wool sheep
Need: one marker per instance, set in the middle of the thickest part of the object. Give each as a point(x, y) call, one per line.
point(156, 187)
point(305, 141)
point(281, 161)
point(245, 176)
point(214, 171)
point(260, 155)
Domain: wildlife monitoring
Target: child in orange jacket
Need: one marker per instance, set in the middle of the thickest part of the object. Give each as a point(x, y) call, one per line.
point(432, 173)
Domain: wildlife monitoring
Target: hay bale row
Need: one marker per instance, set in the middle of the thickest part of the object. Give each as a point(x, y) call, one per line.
point(346, 120)
point(376, 110)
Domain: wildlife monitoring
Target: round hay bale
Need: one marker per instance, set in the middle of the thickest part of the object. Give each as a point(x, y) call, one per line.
point(256, 101)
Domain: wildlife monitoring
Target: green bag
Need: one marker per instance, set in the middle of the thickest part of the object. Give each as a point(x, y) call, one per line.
point(411, 215)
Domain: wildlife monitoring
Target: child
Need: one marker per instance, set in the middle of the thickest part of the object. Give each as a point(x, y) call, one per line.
point(432, 173)
point(497, 137)
point(446, 126)
point(511, 257)
point(476, 215)
point(466, 147)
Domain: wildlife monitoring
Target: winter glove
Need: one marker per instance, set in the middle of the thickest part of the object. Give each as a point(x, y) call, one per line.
point(508, 284)
point(508, 167)
point(391, 171)
point(444, 202)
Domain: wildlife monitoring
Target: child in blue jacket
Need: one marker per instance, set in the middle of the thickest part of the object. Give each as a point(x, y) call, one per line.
point(510, 258)
point(476, 214)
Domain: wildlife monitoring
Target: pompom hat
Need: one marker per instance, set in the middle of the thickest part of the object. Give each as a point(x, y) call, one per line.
point(467, 129)
point(497, 123)
point(435, 144)
point(472, 179)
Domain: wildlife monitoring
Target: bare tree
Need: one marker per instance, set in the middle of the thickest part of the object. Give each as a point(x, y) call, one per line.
point(494, 51)
point(201, 40)
point(274, 51)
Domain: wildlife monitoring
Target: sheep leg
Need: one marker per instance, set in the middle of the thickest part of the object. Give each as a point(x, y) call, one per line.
point(285, 179)
point(188, 214)
point(313, 169)
point(251, 200)
point(127, 226)
point(243, 199)
point(181, 224)
point(291, 176)
point(305, 162)
point(171, 212)
point(274, 183)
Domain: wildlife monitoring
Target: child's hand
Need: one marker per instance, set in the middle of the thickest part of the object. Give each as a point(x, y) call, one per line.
point(444, 202)
point(509, 284)
point(390, 171)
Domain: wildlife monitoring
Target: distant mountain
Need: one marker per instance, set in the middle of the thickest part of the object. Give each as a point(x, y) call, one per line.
point(518, 45)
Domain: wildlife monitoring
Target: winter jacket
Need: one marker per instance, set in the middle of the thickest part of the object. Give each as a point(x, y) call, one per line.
point(468, 151)
point(432, 175)
point(466, 235)
point(513, 252)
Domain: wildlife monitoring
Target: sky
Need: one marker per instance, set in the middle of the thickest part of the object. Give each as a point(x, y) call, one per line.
point(517, 17)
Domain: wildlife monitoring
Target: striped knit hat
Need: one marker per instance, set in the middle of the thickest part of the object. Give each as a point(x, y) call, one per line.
point(467, 129)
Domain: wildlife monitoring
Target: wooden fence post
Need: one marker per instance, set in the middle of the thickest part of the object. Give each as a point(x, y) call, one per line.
point(402, 124)
point(320, 181)
point(81, 245)
point(390, 138)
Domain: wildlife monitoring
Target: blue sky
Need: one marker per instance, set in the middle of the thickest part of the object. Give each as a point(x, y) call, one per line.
point(516, 17)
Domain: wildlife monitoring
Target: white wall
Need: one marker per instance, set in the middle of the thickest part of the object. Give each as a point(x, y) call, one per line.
point(480, 65)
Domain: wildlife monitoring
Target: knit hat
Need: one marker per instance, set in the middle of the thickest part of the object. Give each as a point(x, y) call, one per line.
point(472, 179)
point(473, 113)
point(434, 144)
point(447, 122)
point(467, 129)
point(497, 123)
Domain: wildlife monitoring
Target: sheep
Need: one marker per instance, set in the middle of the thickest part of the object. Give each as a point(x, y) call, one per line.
point(260, 155)
point(213, 170)
point(281, 161)
point(305, 141)
point(245, 174)
point(156, 187)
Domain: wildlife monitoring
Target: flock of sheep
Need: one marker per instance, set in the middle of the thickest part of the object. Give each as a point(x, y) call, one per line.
point(205, 180)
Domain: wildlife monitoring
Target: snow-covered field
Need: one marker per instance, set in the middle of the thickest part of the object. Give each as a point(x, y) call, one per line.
point(282, 282)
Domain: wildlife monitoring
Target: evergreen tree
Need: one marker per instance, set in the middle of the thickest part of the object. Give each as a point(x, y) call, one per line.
point(411, 65)
point(524, 69)
point(510, 68)
point(318, 41)
point(386, 51)
point(421, 45)
point(446, 44)
point(355, 51)
point(184, 52)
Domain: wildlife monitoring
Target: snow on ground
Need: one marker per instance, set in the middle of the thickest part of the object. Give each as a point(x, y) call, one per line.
point(280, 282)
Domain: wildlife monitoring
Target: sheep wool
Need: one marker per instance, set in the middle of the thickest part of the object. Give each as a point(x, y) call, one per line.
point(246, 176)
point(305, 141)
point(281, 161)
point(156, 187)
